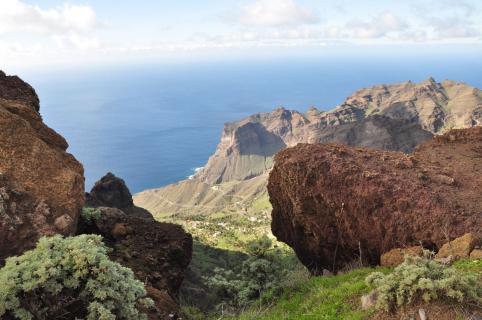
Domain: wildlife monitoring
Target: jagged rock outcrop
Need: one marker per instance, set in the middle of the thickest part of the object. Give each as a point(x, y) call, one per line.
point(389, 117)
point(41, 185)
point(111, 191)
point(158, 253)
point(14, 88)
point(331, 201)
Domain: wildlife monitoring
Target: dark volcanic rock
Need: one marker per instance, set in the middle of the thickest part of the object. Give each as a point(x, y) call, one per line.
point(158, 253)
point(41, 185)
point(111, 191)
point(331, 200)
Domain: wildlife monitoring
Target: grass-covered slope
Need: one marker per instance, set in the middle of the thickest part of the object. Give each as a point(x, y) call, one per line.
point(329, 298)
point(338, 297)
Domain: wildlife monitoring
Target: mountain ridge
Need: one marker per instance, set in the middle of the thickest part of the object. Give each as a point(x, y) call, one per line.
point(395, 117)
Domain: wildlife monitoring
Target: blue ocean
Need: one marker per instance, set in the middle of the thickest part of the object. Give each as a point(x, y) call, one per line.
point(154, 124)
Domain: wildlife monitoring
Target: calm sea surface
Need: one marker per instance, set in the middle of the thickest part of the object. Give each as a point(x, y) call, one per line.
point(153, 125)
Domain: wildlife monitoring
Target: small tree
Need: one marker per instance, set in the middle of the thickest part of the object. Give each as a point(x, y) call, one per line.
point(68, 278)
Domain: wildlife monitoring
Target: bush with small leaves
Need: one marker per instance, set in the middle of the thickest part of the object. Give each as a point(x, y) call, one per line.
point(422, 277)
point(259, 247)
point(258, 274)
point(90, 214)
point(70, 278)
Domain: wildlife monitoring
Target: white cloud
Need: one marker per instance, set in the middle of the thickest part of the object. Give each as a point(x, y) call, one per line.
point(453, 27)
point(383, 25)
point(377, 27)
point(450, 19)
point(276, 13)
point(74, 41)
point(17, 16)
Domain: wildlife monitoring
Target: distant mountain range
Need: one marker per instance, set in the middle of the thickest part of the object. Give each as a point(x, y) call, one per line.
point(394, 117)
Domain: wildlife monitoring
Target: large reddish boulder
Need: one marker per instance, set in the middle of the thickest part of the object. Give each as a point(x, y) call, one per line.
point(333, 202)
point(41, 185)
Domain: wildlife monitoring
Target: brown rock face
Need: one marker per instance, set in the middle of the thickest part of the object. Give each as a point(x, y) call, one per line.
point(41, 185)
point(158, 253)
point(329, 200)
point(13, 88)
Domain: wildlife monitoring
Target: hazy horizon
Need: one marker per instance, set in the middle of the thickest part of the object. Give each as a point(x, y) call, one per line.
point(58, 33)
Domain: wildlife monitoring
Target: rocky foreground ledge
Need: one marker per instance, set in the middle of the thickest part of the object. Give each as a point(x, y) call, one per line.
point(41, 185)
point(158, 253)
point(333, 202)
point(42, 194)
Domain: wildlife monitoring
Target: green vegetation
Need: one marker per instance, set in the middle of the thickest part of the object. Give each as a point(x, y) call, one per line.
point(338, 297)
point(259, 273)
point(422, 277)
point(329, 298)
point(229, 229)
point(89, 215)
point(70, 277)
point(469, 265)
point(228, 246)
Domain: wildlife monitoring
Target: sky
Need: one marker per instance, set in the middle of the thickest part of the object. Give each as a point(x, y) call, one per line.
point(56, 32)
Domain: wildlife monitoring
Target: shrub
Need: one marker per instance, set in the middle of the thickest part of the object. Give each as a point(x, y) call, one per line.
point(259, 247)
point(422, 277)
point(67, 278)
point(89, 215)
point(259, 273)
